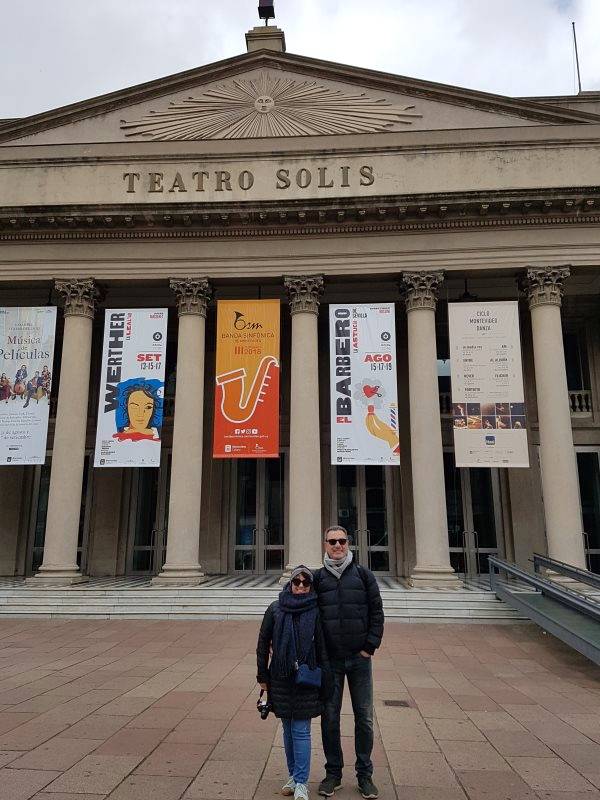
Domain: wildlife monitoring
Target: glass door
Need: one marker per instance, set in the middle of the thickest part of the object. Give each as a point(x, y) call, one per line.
point(363, 506)
point(588, 468)
point(473, 512)
point(259, 514)
point(148, 518)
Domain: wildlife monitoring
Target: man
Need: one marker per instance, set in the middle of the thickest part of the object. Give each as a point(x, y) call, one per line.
point(352, 619)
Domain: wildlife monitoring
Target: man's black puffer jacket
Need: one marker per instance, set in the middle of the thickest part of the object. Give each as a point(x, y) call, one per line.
point(289, 700)
point(351, 610)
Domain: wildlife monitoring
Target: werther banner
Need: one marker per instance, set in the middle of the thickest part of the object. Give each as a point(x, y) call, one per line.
point(247, 379)
point(364, 395)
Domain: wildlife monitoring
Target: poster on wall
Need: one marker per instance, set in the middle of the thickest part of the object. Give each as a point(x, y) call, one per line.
point(132, 382)
point(488, 402)
point(364, 392)
point(27, 352)
point(247, 379)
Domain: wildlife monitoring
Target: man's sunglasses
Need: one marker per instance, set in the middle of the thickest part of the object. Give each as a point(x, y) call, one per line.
point(336, 541)
point(301, 582)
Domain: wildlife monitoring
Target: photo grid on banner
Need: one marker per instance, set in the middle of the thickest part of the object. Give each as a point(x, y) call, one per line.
point(132, 383)
point(363, 380)
point(488, 402)
point(247, 379)
point(27, 352)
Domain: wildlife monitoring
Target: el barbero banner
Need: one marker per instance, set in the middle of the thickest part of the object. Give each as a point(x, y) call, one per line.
point(132, 381)
point(26, 355)
point(488, 402)
point(247, 379)
point(364, 393)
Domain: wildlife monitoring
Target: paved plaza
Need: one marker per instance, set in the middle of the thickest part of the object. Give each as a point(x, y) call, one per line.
point(159, 710)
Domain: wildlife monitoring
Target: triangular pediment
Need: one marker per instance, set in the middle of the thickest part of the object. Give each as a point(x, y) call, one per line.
point(273, 95)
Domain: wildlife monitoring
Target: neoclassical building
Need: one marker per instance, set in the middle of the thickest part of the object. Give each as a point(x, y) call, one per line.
point(271, 175)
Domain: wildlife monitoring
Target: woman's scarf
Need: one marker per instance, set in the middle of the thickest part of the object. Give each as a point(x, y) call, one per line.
point(293, 632)
point(337, 567)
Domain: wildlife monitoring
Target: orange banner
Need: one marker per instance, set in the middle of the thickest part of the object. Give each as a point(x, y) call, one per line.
point(247, 379)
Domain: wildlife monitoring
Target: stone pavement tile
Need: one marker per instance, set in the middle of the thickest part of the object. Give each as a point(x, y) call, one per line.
point(594, 795)
point(455, 729)
point(242, 746)
point(94, 774)
point(515, 743)
point(475, 755)
point(550, 774)
point(31, 734)
point(198, 731)
point(546, 726)
point(495, 721)
point(130, 742)
point(226, 780)
point(421, 769)
point(476, 702)
point(21, 784)
point(588, 724)
point(96, 726)
point(58, 753)
point(169, 758)
point(145, 787)
point(208, 710)
point(585, 758)
point(428, 793)
point(126, 706)
point(175, 699)
point(488, 785)
point(9, 755)
point(158, 718)
point(413, 738)
point(440, 710)
point(70, 796)
point(10, 720)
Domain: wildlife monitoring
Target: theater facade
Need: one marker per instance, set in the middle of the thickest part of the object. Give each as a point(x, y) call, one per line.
point(276, 176)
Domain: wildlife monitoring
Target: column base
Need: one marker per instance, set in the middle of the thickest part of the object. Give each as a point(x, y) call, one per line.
point(56, 577)
point(434, 578)
point(179, 576)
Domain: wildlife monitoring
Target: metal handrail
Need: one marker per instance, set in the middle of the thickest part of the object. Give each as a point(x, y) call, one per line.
point(583, 575)
point(546, 587)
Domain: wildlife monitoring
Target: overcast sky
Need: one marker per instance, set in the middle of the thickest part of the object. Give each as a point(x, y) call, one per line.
point(55, 52)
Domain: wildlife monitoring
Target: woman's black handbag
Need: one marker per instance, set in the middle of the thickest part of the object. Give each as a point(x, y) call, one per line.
point(305, 675)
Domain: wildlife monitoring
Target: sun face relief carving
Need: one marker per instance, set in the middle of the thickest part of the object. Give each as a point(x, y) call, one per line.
point(269, 106)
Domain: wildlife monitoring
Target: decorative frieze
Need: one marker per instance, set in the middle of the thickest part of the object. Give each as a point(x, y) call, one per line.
point(544, 286)
point(79, 296)
point(420, 289)
point(193, 295)
point(304, 292)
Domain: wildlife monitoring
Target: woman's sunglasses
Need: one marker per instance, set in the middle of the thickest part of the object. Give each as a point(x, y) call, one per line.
point(336, 541)
point(300, 582)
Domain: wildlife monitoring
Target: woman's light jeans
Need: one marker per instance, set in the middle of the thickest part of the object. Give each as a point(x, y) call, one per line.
point(296, 741)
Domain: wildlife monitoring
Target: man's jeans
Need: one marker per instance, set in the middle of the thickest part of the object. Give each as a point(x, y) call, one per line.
point(357, 669)
point(296, 741)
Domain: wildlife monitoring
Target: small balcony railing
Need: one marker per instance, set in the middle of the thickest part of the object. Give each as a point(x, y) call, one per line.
point(580, 402)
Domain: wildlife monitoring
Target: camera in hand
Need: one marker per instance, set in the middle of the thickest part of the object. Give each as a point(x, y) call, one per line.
point(263, 705)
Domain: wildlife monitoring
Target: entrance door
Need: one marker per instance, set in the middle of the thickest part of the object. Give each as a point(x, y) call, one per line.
point(474, 522)
point(362, 500)
point(588, 468)
point(258, 527)
point(148, 518)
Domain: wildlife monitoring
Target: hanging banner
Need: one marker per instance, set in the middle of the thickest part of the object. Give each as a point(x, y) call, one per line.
point(132, 382)
point(488, 402)
point(364, 394)
point(26, 355)
point(247, 379)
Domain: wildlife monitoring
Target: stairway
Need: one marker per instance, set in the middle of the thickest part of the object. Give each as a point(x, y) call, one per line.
point(231, 597)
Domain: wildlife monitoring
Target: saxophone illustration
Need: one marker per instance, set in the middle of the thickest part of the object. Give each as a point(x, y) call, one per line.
point(381, 430)
point(236, 405)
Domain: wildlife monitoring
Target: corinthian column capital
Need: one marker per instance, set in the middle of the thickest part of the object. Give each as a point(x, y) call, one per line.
point(304, 292)
point(79, 296)
point(545, 285)
point(421, 289)
point(193, 295)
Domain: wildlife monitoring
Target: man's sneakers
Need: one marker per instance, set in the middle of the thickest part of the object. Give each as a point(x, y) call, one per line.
point(367, 788)
point(328, 785)
point(288, 788)
point(301, 792)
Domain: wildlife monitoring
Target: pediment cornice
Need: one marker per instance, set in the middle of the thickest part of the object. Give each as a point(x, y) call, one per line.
point(309, 67)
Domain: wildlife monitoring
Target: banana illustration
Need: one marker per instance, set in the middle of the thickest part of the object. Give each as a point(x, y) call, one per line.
point(381, 430)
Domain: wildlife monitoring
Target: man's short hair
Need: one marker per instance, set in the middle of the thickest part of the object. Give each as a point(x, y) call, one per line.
point(332, 528)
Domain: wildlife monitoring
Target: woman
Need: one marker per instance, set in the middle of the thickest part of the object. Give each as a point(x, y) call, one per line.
point(5, 387)
point(291, 627)
point(140, 413)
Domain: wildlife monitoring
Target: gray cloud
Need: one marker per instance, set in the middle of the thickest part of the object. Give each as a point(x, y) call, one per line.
point(64, 51)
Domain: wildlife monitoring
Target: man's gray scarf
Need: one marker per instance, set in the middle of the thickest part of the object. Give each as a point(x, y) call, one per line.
point(337, 567)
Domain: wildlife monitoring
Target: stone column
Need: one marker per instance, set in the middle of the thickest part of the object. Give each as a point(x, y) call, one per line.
point(68, 452)
point(560, 486)
point(182, 567)
point(304, 534)
point(427, 461)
